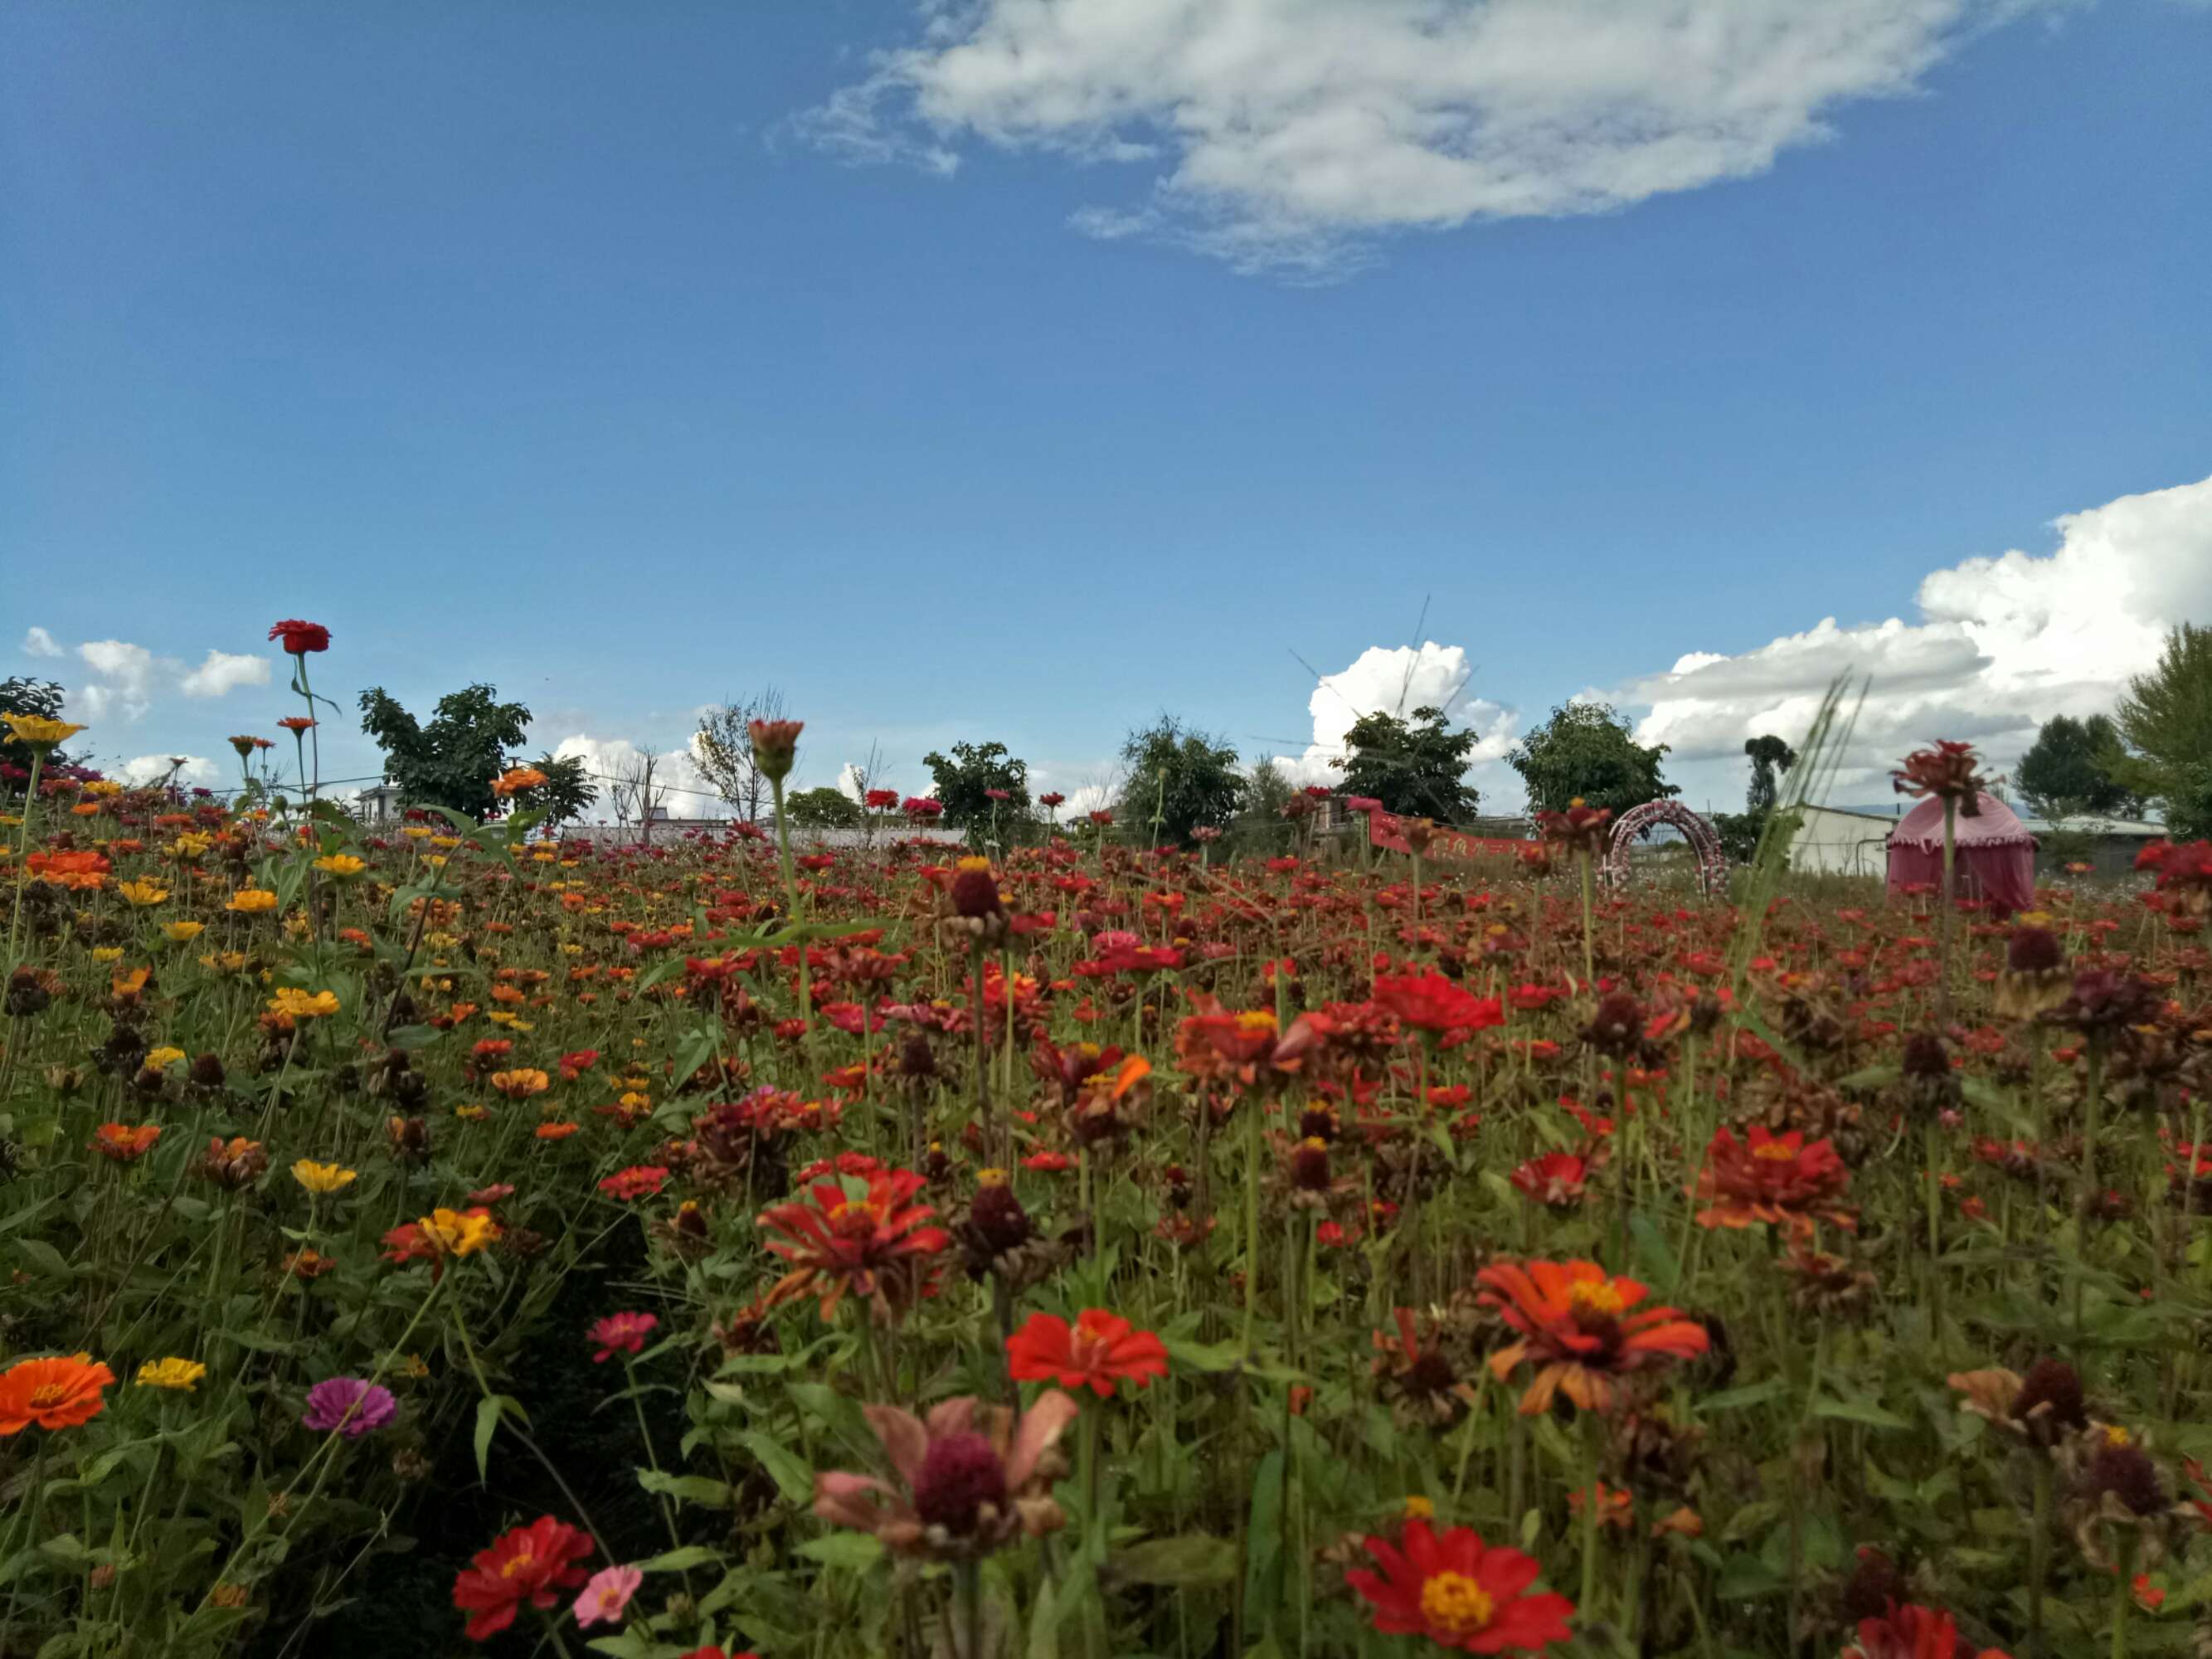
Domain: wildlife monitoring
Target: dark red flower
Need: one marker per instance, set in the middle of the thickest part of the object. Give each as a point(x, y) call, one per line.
point(301, 637)
point(1432, 1003)
point(526, 1564)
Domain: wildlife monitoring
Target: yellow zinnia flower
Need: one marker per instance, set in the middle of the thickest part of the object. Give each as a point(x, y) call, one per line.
point(184, 933)
point(303, 1005)
point(142, 892)
point(343, 865)
point(39, 731)
point(106, 953)
point(458, 1234)
point(225, 962)
point(159, 1060)
point(171, 1373)
point(252, 901)
point(322, 1178)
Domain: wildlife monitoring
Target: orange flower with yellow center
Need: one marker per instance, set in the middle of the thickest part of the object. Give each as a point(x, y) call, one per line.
point(54, 1393)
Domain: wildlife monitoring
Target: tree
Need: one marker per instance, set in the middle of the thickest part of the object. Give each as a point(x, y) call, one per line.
point(1178, 779)
point(724, 751)
point(965, 779)
point(635, 792)
point(1586, 751)
point(1771, 757)
point(40, 699)
point(2066, 771)
point(2165, 721)
point(1260, 829)
point(568, 792)
point(825, 808)
point(450, 762)
point(1415, 768)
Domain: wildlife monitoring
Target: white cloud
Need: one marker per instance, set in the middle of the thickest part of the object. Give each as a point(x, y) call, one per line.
point(151, 768)
point(676, 771)
point(125, 688)
point(852, 781)
point(1397, 680)
point(1282, 131)
point(224, 672)
point(2003, 644)
point(40, 643)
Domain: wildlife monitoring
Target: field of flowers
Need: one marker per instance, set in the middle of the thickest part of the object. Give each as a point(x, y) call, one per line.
point(457, 1237)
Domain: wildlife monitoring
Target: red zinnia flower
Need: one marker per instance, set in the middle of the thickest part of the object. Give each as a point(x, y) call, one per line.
point(1556, 1179)
point(301, 637)
point(843, 1242)
point(1579, 1329)
point(623, 1332)
point(526, 1564)
point(639, 1180)
point(1776, 1178)
point(1433, 1003)
point(1100, 1350)
point(1459, 1592)
point(1912, 1631)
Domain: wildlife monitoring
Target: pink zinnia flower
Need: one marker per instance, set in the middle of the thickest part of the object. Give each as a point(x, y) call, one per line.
point(625, 1331)
point(606, 1597)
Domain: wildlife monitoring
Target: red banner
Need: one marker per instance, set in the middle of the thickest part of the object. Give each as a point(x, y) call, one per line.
point(1385, 830)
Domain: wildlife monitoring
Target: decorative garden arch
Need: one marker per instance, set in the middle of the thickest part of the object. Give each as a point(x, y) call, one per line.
point(1713, 863)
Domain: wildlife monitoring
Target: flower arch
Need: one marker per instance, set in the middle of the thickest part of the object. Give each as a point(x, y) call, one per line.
point(1713, 863)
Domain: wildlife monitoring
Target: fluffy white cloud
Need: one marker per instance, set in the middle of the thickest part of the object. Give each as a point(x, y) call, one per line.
point(2002, 645)
point(39, 643)
point(224, 672)
point(677, 783)
point(124, 685)
point(151, 768)
point(1397, 680)
point(1278, 129)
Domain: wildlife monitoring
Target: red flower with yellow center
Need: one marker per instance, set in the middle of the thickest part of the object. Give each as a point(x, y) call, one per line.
point(842, 1240)
point(1581, 1330)
point(1433, 1003)
point(529, 1563)
point(1773, 1178)
point(1101, 1350)
point(1459, 1592)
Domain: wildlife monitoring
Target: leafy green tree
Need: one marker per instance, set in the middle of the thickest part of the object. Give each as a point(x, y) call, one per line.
point(451, 761)
point(825, 808)
point(1770, 758)
point(568, 792)
point(2165, 721)
point(40, 699)
point(1178, 779)
point(2068, 771)
point(1260, 829)
point(1415, 768)
point(965, 779)
point(1587, 751)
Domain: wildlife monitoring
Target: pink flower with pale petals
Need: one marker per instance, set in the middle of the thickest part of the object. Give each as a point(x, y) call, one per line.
point(606, 1597)
point(623, 1332)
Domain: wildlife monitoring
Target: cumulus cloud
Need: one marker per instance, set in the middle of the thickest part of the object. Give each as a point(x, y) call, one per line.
point(224, 672)
point(1281, 132)
point(1397, 680)
point(124, 683)
point(39, 643)
point(676, 771)
point(2001, 644)
point(152, 768)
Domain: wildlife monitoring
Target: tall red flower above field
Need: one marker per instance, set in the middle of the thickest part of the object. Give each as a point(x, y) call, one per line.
point(840, 1239)
point(1459, 1592)
point(301, 637)
point(1948, 772)
point(1775, 1178)
point(1101, 1350)
point(1433, 1003)
point(529, 1563)
point(1581, 1329)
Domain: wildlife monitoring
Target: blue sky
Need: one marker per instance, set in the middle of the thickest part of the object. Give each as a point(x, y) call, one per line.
point(576, 349)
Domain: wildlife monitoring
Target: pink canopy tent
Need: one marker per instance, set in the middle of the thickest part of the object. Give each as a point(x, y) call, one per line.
point(1993, 854)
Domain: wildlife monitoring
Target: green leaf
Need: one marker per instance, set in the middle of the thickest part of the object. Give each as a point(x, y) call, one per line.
point(1873, 1076)
point(1263, 1541)
point(1193, 1356)
point(1859, 1411)
point(792, 1477)
point(413, 1036)
point(1751, 1393)
point(1195, 1562)
point(680, 1560)
point(488, 1410)
point(854, 1552)
point(690, 1488)
point(43, 1258)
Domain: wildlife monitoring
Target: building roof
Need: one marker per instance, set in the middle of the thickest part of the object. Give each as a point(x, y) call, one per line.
point(2126, 829)
point(1993, 824)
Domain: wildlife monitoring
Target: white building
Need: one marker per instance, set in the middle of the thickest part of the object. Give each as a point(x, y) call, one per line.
point(1839, 841)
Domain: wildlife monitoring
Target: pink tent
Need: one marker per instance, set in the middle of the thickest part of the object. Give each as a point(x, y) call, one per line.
point(1993, 856)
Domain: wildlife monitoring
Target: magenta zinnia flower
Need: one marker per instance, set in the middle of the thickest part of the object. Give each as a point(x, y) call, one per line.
point(623, 1332)
point(349, 1406)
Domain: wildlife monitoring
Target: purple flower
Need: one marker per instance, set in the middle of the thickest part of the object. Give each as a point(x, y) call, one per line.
point(350, 1406)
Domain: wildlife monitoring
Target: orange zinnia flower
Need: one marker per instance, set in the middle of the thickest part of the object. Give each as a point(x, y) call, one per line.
point(1580, 1328)
point(1776, 1178)
point(1101, 1350)
point(124, 1143)
point(54, 1393)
